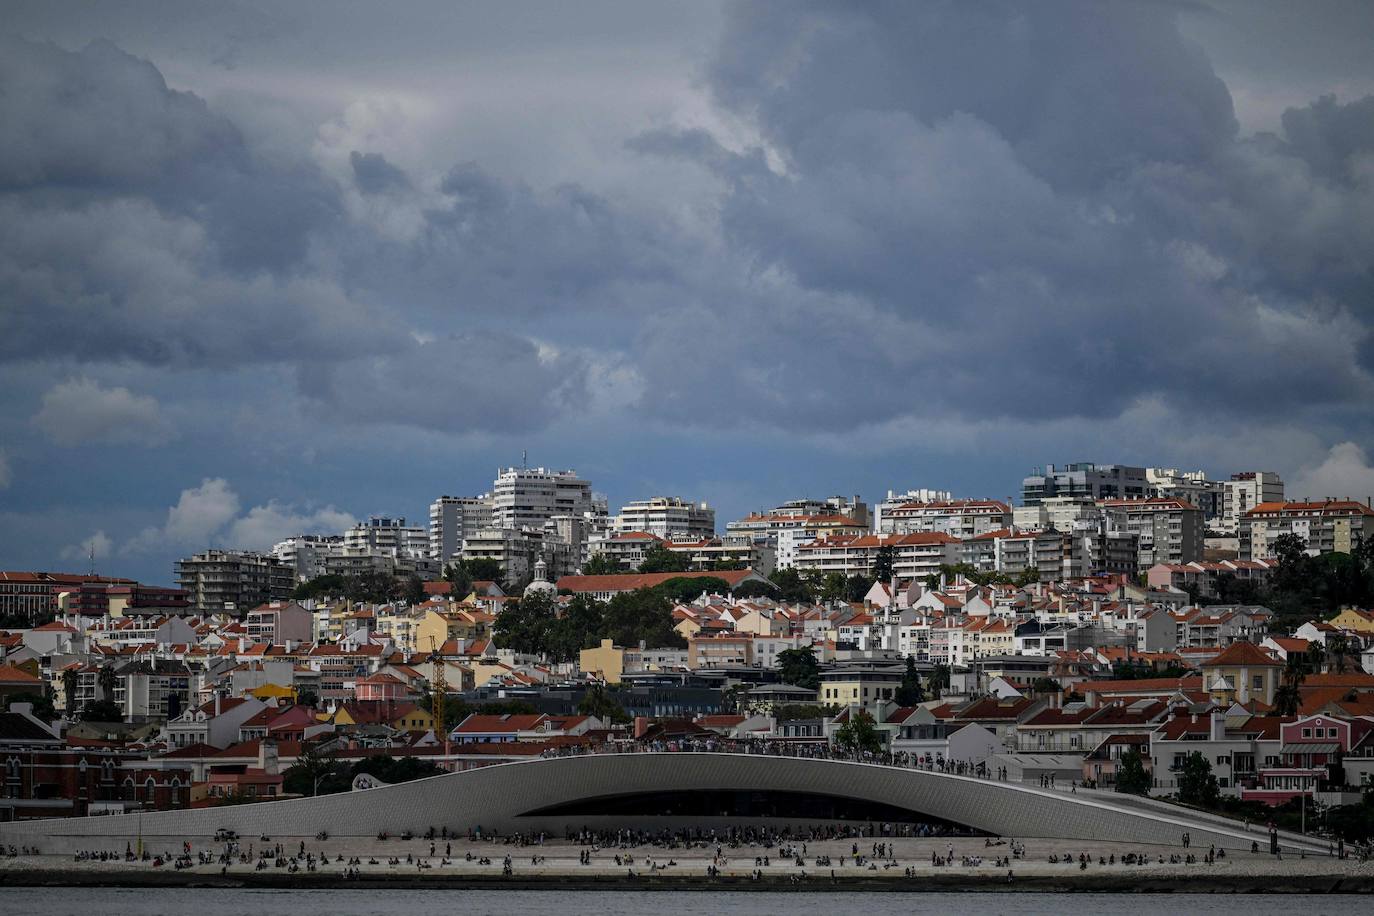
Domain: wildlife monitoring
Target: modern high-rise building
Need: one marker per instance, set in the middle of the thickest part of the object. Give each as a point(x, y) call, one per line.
point(1191, 487)
point(1095, 481)
point(307, 554)
point(454, 518)
point(233, 581)
point(667, 517)
point(1245, 491)
point(1169, 530)
point(388, 536)
point(529, 497)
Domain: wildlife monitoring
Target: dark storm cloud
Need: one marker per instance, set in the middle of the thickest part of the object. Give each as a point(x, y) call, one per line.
point(374, 175)
point(475, 382)
point(980, 211)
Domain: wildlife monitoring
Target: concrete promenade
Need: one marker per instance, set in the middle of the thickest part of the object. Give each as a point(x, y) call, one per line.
point(507, 798)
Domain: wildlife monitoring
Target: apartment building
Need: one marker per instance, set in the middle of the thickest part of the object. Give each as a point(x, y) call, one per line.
point(1011, 552)
point(233, 580)
point(1246, 490)
point(1170, 530)
point(529, 497)
point(962, 518)
point(308, 554)
point(453, 519)
point(387, 536)
point(882, 521)
point(914, 556)
point(1333, 525)
point(668, 517)
point(1095, 481)
point(1191, 487)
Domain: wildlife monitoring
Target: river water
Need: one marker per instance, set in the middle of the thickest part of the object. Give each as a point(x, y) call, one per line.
point(143, 901)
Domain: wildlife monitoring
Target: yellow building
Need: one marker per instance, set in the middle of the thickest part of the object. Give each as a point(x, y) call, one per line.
point(442, 625)
point(607, 661)
point(1354, 619)
point(1242, 673)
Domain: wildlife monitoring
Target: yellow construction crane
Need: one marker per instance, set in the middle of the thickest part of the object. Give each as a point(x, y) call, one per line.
point(438, 688)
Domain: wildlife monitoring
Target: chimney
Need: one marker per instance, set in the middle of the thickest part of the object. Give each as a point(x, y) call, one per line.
point(641, 726)
point(267, 756)
point(217, 703)
point(1217, 726)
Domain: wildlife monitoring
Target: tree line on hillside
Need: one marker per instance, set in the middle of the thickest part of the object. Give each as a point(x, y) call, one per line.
point(1302, 586)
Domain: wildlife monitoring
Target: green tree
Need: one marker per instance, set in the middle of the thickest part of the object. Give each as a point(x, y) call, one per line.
point(726, 564)
point(42, 704)
point(882, 563)
point(334, 586)
point(308, 698)
point(600, 564)
point(1196, 784)
point(527, 625)
point(413, 591)
point(69, 681)
point(313, 774)
point(910, 692)
point(799, 668)
point(599, 702)
point(457, 575)
point(939, 679)
point(856, 587)
point(580, 626)
point(105, 679)
point(1288, 697)
point(834, 587)
point(753, 588)
point(659, 559)
point(1045, 685)
point(1131, 777)
point(102, 711)
point(688, 588)
point(859, 735)
point(1338, 648)
point(484, 569)
point(641, 615)
point(792, 587)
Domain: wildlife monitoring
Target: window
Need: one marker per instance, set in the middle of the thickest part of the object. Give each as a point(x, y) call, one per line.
point(1257, 682)
point(1223, 760)
point(1331, 732)
point(1307, 733)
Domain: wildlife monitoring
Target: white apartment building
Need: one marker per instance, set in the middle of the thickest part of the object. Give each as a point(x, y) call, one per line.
point(1058, 512)
point(1010, 551)
point(962, 518)
point(387, 536)
point(882, 524)
point(307, 554)
point(668, 517)
point(529, 497)
point(1191, 487)
point(1245, 491)
point(1338, 525)
point(914, 556)
point(454, 518)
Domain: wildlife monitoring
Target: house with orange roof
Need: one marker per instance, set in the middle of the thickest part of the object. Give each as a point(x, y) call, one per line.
point(1243, 671)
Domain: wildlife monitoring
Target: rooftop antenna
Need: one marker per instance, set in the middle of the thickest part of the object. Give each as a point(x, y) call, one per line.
point(91, 549)
point(525, 459)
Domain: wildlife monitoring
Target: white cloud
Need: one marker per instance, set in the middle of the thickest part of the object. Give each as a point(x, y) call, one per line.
point(263, 526)
point(200, 513)
point(6, 474)
point(79, 410)
point(97, 545)
point(1345, 472)
point(208, 515)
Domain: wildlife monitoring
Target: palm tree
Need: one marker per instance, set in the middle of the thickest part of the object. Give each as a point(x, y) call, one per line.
point(1288, 697)
point(1316, 655)
point(106, 680)
point(1338, 646)
point(69, 690)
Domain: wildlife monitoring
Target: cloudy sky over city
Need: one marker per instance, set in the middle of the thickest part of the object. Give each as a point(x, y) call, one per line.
point(267, 268)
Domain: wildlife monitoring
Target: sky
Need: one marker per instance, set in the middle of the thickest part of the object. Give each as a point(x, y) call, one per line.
point(269, 268)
